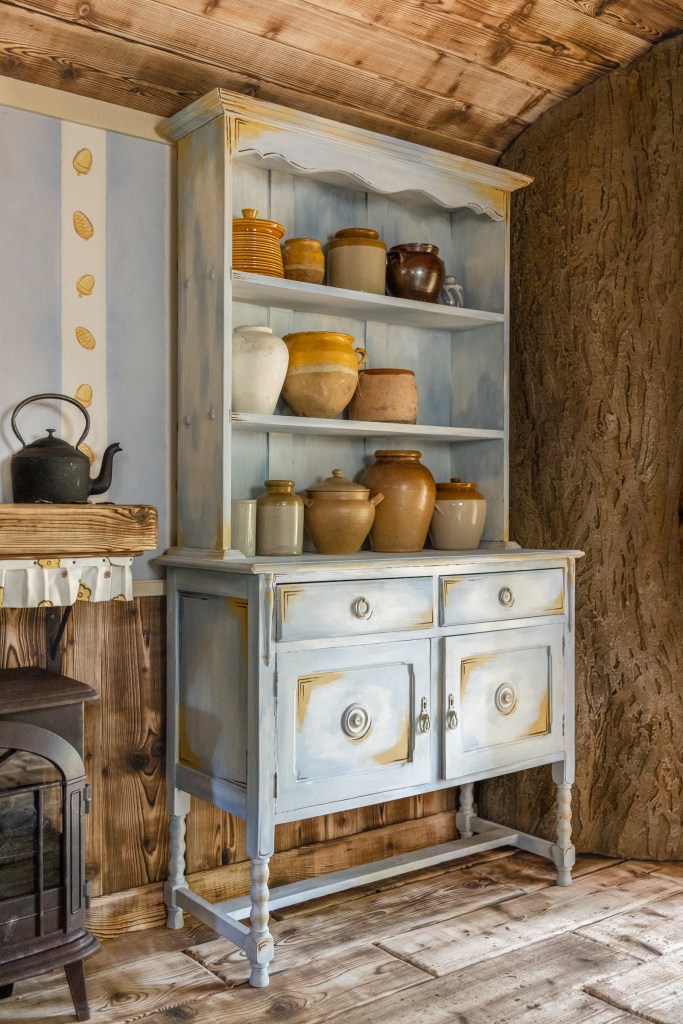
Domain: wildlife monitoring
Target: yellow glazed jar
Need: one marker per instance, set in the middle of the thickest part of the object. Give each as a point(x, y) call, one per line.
point(303, 260)
point(256, 245)
point(322, 373)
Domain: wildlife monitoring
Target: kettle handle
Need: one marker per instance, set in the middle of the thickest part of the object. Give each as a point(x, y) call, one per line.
point(63, 398)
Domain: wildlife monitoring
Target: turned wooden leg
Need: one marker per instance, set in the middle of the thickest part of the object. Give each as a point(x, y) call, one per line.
point(75, 975)
point(176, 869)
point(463, 818)
point(564, 854)
point(259, 945)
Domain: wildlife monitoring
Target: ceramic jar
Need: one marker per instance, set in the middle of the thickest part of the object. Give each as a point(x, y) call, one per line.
point(279, 519)
point(303, 260)
point(256, 245)
point(402, 520)
point(339, 514)
point(459, 516)
point(259, 365)
point(356, 259)
point(385, 396)
point(415, 271)
point(323, 372)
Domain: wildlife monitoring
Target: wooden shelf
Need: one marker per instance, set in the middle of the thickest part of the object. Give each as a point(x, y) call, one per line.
point(42, 530)
point(316, 298)
point(359, 428)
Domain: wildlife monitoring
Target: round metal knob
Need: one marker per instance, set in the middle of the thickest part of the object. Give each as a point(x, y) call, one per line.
point(356, 721)
point(505, 698)
point(362, 608)
point(506, 597)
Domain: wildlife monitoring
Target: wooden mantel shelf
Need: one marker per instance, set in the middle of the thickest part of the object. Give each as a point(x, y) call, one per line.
point(45, 530)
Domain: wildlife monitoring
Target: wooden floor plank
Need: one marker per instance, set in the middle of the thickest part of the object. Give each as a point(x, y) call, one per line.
point(322, 991)
point(645, 933)
point(381, 915)
point(653, 990)
point(491, 931)
point(126, 994)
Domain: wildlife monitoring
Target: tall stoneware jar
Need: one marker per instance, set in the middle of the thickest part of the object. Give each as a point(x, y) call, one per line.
point(356, 259)
point(279, 519)
point(259, 366)
point(409, 489)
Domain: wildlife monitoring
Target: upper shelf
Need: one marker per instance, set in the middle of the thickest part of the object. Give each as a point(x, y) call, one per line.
point(327, 301)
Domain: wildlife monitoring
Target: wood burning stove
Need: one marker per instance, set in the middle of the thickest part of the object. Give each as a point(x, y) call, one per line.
point(43, 799)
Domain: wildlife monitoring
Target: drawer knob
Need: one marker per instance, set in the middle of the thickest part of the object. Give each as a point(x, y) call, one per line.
point(362, 608)
point(506, 597)
point(505, 698)
point(451, 714)
point(423, 720)
point(356, 721)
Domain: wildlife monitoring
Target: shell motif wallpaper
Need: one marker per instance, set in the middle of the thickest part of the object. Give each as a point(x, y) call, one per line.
point(86, 293)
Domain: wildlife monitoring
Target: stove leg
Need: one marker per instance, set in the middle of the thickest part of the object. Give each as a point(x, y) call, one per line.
point(6, 991)
point(75, 975)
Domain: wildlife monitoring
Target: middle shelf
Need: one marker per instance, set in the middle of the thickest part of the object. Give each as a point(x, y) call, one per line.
point(359, 428)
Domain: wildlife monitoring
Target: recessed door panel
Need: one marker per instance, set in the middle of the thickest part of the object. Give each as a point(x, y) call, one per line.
point(503, 695)
point(352, 722)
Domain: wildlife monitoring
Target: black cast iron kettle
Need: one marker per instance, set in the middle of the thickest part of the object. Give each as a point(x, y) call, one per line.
point(50, 469)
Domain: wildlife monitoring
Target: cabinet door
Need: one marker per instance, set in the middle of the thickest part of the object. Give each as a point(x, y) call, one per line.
point(503, 699)
point(352, 722)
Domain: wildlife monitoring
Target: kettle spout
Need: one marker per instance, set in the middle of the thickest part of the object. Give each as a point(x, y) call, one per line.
point(102, 482)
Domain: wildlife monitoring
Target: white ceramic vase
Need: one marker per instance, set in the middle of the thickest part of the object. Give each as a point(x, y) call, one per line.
point(259, 366)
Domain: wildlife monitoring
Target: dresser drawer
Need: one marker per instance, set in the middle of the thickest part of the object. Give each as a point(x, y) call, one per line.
point(497, 596)
point(503, 698)
point(311, 611)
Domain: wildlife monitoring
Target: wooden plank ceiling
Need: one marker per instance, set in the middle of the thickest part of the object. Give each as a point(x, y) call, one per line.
point(465, 76)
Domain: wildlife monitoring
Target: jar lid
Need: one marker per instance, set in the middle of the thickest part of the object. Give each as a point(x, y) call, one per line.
point(279, 485)
point(250, 221)
point(397, 453)
point(357, 236)
point(339, 485)
point(457, 489)
point(415, 247)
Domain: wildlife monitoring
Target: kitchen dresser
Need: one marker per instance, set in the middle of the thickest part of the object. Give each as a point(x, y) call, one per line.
point(305, 685)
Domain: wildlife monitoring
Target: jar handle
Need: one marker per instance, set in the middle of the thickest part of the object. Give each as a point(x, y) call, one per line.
point(393, 254)
point(376, 498)
point(361, 355)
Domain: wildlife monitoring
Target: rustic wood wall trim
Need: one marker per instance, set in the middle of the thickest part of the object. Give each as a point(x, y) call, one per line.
point(596, 438)
point(119, 648)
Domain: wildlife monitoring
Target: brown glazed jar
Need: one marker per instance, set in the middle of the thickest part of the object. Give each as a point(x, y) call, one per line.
point(415, 271)
point(409, 489)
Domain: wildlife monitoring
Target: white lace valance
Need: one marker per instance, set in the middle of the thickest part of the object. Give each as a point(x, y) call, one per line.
point(42, 582)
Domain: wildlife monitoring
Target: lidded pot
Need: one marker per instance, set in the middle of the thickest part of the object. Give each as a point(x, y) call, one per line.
point(339, 514)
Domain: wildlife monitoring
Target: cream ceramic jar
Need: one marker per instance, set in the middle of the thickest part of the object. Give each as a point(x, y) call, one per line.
point(356, 259)
point(459, 516)
point(259, 366)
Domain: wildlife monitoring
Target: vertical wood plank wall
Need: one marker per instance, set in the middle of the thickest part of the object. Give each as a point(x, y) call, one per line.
point(596, 439)
point(119, 648)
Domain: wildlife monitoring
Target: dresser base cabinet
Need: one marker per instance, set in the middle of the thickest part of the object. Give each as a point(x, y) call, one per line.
point(297, 690)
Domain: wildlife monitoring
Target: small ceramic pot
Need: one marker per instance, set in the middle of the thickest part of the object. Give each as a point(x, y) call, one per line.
point(385, 396)
point(256, 245)
point(402, 520)
point(356, 259)
point(414, 271)
point(259, 365)
point(451, 294)
point(339, 514)
point(279, 519)
point(322, 374)
point(303, 260)
point(459, 516)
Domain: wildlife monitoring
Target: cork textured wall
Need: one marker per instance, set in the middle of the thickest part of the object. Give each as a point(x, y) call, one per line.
point(597, 439)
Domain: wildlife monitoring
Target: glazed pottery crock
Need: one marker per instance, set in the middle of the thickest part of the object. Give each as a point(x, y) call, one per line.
point(339, 514)
point(303, 260)
point(279, 519)
point(256, 245)
point(356, 259)
point(322, 373)
point(414, 271)
point(402, 520)
point(259, 365)
point(459, 516)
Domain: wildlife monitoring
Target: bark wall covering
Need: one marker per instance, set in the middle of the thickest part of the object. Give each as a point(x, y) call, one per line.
point(597, 439)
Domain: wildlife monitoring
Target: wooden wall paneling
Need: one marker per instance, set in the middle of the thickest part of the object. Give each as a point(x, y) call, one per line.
point(23, 636)
point(117, 647)
point(596, 427)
